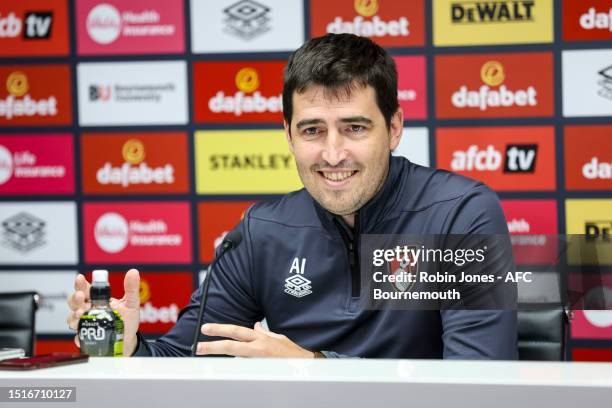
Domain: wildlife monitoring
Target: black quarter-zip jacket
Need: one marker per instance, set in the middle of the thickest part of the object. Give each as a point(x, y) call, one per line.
point(298, 267)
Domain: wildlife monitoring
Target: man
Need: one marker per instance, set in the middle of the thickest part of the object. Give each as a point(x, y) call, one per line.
point(342, 120)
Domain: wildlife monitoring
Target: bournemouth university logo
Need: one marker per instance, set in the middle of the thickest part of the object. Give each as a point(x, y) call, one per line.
point(134, 170)
point(23, 232)
point(247, 19)
point(493, 94)
point(248, 99)
point(297, 285)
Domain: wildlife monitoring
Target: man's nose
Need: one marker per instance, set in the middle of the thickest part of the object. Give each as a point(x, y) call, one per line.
point(334, 151)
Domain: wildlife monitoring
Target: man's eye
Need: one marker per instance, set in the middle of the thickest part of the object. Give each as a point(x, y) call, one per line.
point(356, 128)
point(311, 131)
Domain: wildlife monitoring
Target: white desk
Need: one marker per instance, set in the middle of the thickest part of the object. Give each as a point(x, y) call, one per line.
point(226, 382)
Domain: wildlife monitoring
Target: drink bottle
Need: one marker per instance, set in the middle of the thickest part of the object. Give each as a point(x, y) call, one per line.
point(101, 328)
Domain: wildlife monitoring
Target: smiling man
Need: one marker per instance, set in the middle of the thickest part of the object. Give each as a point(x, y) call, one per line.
point(298, 263)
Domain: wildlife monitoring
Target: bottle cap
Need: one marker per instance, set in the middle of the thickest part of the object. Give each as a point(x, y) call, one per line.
point(100, 276)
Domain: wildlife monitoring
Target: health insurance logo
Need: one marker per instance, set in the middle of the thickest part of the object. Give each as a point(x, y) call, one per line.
point(247, 81)
point(247, 19)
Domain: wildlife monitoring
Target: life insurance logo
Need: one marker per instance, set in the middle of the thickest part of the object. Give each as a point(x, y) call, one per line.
point(517, 158)
point(605, 83)
point(19, 102)
point(24, 232)
point(113, 233)
point(248, 99)
point(23, 165)
point(486, 12)
point(368, 24)
point(247, 19)
point(105, 24)
point(493, 94)
point(297, 285)
point(134, 170)
point(34, 25)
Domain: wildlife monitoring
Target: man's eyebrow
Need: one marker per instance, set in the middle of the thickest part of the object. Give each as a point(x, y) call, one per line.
point(353, 119)
point(308, 122)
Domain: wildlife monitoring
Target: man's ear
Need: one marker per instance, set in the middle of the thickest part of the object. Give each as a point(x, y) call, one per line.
point(288, 135)
point(396, 127)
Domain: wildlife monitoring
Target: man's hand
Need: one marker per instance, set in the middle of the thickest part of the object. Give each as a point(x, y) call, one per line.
point(128, 307)
point(256, 342)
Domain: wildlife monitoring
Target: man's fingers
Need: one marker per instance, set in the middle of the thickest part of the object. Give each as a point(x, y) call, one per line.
point(131, 286)
point(260, 329)
point(73, 318)
point(225, 347)
point(76, 341)
point(230, 331)
point(81, 284)
point(77, 301)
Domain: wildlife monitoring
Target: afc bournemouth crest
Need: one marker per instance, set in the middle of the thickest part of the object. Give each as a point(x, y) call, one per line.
point(405, 270)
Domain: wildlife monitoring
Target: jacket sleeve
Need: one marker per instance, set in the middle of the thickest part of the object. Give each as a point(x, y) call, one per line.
point(230, 301)
point(479, 334)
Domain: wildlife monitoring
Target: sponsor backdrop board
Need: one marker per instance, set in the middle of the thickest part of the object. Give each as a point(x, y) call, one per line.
point(38, 233)
point(34, 28)
point(129, 27)
point(469, 22)
point(132, 93)
point(136, 133)
point(230, 26)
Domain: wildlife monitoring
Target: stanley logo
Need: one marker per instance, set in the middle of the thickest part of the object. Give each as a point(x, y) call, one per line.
point(492, 12)
point(366, 8)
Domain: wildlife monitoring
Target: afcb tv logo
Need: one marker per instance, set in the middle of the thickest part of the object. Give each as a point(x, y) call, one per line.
point(34, 25)
point(518, 158)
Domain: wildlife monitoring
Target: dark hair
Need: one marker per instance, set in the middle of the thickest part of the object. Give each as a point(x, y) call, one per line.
point(339, 62)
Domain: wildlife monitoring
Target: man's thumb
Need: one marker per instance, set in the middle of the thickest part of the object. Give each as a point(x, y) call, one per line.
point(131, 286)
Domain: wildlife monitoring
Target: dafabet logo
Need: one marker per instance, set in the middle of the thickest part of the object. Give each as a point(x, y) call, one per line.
point(587, 20)
point(35, 95)
point(33, 27)
point(36, 164)
point(480, 22)
point(146, 232)
point(255, 162)
point(129, 27)
point(216, 220)
point(494, 85)
point(159, 307)
point(134, 163)
point(588, 157)
point(505, 158)
point(390, 23)
point(240, 92)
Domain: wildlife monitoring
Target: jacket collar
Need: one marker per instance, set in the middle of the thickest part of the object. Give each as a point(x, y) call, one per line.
point(382, 206)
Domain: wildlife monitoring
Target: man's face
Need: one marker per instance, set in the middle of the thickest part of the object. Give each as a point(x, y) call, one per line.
point(341, 145)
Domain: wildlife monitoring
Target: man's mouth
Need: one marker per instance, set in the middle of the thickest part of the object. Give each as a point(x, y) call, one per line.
point(337, 177)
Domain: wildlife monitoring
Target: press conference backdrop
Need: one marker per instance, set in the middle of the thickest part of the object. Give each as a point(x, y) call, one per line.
point(137, 132)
